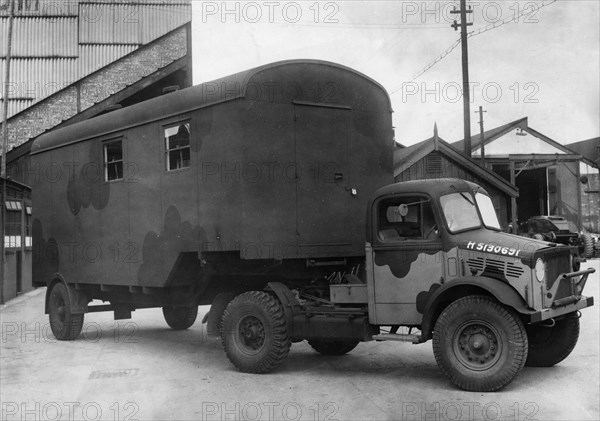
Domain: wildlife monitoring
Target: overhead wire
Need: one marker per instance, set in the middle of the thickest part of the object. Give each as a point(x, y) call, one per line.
point(471, 34)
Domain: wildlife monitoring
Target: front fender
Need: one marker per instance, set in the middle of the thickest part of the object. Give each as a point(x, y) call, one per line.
point(469, 285)
point(290, 305)
point(79, 301)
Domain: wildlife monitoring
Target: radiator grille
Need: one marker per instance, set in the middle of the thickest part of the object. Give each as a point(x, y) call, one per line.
point(554, 267)
point(482, 264)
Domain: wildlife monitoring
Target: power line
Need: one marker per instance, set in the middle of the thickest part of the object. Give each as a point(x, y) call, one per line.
point(472, 34)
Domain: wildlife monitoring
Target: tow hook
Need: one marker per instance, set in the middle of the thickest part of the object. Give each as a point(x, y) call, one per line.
point(550, 323)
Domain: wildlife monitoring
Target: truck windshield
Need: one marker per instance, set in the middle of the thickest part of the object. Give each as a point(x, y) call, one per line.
point(460, 211)
point(488, 213)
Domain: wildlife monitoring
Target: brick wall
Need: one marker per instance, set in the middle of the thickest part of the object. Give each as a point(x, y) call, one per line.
point(96, 87)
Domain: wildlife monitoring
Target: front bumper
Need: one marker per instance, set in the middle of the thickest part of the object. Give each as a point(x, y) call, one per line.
point(550, 313)
point(570, 303)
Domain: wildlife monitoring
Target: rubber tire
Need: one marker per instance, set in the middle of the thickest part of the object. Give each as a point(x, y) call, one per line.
point(65, 325)
point(550, 345)
point(180, 318)
point(266, 312)
point(333, 347)
point(588, 246)
point(480, 310)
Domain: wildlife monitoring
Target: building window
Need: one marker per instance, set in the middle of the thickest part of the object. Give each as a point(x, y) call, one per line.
point(177, 145)
point(12, 205)
point(12, 229)
point(28, 230)
point(113, 160)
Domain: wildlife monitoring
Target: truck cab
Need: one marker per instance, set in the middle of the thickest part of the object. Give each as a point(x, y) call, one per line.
point(437, 264)
point(426, 238)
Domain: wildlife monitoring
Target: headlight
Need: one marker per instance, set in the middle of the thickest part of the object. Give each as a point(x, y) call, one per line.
point(540, 270)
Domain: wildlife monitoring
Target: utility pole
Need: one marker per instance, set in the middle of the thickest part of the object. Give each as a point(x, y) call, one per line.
point(11, 15)
point(465, 71)
point(481, 138)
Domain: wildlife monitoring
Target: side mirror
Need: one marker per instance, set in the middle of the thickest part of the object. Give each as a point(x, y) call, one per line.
point(403, 210)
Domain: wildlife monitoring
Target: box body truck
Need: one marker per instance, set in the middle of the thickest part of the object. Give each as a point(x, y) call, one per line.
point(269, 195)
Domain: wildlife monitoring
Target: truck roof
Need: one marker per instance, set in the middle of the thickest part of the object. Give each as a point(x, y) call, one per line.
point(221, 90)
point(434, 187)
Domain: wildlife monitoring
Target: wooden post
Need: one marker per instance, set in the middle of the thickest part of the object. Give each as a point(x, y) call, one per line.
point(465, 72)
point(513, 200)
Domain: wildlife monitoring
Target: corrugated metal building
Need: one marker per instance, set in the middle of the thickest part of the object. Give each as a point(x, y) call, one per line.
point(71, 61)
point(58, 43)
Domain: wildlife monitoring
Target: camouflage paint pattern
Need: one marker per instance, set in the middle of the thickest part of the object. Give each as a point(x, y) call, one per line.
point(151, 228)
point(405, 274)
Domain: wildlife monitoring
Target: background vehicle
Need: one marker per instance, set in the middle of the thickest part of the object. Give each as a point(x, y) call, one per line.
point(558, 230)
point(271, 201)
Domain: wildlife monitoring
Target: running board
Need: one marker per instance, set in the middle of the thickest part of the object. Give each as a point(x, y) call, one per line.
point(415, 339)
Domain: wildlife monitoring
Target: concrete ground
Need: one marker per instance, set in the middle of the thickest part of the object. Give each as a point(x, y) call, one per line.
point(140, 369)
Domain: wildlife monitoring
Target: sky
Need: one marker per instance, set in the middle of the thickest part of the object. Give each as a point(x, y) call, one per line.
point(536, 59)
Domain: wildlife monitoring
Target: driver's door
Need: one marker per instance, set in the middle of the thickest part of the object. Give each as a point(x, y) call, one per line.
point(406, 259)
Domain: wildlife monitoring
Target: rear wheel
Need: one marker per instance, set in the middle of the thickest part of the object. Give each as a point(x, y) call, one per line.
point(180, 318)
point(65, 325)
point(479, 345)
point(333, 347)
point(254, 332)
point(549, 345)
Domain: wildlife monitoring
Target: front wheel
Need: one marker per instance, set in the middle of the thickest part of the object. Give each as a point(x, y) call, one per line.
point(479, 345)
point(65, 325)
point(549, 345)
point(254, 332)
point(333, 347)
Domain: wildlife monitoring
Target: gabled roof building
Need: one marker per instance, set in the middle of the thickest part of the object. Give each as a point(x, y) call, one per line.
point(553, 179)
point(435, 158)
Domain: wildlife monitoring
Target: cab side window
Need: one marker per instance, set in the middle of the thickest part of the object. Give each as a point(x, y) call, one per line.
point(405, 218)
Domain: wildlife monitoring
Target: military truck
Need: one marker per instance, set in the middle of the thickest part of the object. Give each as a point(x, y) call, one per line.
point(557, 229)
point(269, 195)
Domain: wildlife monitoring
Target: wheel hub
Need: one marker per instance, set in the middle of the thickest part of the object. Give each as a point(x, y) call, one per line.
point(477, 346)
point(252, 332)
point(60, 309)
